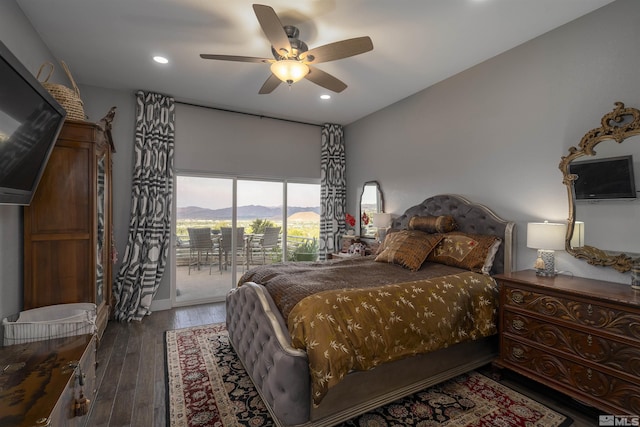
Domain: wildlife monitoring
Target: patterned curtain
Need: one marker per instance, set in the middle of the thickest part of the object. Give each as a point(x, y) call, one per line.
point(333, 189)
point(152, 192)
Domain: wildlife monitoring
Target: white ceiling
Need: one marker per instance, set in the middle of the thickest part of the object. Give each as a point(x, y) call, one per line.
point(417, 43)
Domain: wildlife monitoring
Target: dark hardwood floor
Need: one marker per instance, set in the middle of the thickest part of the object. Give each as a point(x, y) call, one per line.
point(131, 366)
point(131, 389)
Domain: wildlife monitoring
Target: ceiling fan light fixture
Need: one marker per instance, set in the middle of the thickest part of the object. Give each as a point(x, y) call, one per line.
point(289, 70)
point(292, 57)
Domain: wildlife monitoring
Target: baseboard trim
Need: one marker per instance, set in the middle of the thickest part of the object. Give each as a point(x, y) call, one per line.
point(160, 305)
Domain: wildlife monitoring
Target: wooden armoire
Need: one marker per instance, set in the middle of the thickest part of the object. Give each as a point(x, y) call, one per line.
point(67, 227)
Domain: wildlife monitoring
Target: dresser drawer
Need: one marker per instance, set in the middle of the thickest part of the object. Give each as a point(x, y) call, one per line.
point(594, 348)
point(582, 382)
point(610, 320)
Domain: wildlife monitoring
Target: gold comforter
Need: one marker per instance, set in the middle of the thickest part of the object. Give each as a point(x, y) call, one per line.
point(358, 329)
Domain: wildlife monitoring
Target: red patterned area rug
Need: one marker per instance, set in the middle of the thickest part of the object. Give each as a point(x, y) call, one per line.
point(207, 386)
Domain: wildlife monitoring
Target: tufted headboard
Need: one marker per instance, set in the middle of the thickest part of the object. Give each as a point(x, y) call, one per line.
point(471, 218)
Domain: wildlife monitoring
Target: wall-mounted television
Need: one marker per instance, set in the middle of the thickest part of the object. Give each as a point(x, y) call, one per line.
point(604, 179)
point(30, 121)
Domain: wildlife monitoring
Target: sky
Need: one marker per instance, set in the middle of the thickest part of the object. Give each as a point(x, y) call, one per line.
point(216, 193)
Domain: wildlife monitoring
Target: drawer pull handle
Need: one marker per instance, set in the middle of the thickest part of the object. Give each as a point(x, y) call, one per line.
point(517, 352)
point(70, 367)
point(517, 297)
point(517, 324)
point(589, 374)
point(589, 310)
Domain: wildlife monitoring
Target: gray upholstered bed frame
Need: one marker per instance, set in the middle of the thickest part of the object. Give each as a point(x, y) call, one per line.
point(280, 372)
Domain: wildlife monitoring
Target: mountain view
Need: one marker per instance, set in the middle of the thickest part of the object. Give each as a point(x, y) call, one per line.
point(244, 212)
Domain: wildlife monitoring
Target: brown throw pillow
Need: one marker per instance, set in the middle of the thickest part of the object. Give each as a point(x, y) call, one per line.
point(473, 252)
point(408, 248)
point(433, 224)
point(382, 244)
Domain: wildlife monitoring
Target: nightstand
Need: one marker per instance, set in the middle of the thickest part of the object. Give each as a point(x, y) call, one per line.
point(578, 336)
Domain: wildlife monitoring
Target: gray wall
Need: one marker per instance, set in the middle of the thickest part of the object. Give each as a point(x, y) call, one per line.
point(495, 133)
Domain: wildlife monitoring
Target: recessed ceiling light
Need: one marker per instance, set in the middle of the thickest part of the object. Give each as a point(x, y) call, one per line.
point(161, 59)
point(325, 96)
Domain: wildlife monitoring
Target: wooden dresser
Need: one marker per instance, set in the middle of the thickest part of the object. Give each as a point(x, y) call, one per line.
point(67, 227)
point(578, 336)
point(40, 381)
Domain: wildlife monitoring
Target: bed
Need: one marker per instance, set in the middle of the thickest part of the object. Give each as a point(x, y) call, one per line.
point(280, 358)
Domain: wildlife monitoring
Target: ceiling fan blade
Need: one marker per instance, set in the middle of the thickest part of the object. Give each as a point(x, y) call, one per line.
point(338, 50)
point(272, 28)
point(270, 85)
point(325, 80)
point(235, 58)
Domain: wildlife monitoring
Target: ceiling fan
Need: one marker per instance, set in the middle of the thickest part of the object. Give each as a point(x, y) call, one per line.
point(293, 59)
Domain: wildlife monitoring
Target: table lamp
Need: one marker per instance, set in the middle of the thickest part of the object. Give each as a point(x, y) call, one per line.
point(546, 237)
point(381, 221)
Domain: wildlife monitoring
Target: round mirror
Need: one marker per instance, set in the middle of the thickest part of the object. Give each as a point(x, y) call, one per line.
point(602, 191)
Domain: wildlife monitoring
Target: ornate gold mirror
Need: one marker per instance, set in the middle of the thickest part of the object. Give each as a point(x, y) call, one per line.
point(603, 216)
point(371, 202)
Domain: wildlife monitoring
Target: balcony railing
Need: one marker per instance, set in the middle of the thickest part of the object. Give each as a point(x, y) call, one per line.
point(253, 250)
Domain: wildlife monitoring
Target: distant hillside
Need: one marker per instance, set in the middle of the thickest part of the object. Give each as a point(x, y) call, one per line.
point(244, 212)
point(305, 216)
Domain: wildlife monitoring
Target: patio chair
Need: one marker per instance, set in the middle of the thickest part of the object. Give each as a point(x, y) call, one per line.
point(269, 241)
point(200, 242)
point(225, 245)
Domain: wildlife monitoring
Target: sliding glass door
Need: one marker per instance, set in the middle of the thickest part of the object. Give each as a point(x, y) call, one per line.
point(244, 223)
point(303, 221)
point(204, 206)
point(260, 211)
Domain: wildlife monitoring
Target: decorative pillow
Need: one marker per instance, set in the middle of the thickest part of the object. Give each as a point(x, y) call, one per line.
point(473, 252)
point(408, 248)
point(433, 224)
point(381, 246)
point(347, 241)
point(358, 248)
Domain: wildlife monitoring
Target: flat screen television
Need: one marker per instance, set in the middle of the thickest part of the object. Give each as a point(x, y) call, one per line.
point(604, 179)
point(30, 121)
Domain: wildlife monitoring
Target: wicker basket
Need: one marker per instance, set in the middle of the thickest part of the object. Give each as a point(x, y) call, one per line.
point(67, 97)
point(53, 321)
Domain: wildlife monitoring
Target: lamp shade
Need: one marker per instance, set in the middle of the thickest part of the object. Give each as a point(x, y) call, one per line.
point(546, 235)
point(381, 220)
point(289, 70)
